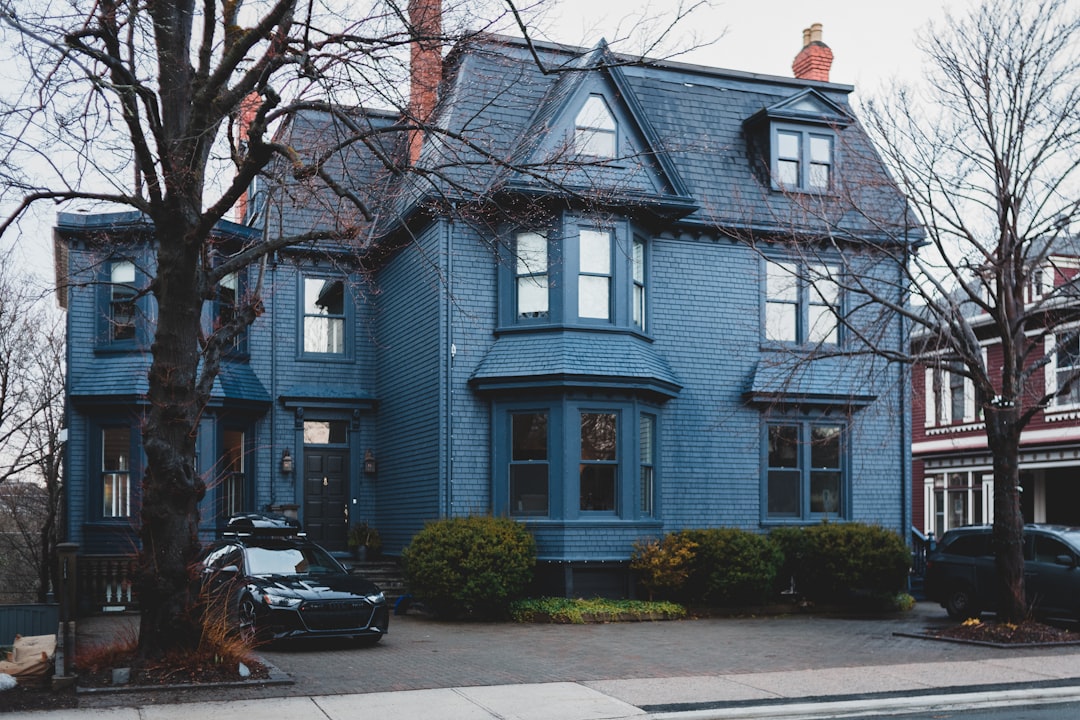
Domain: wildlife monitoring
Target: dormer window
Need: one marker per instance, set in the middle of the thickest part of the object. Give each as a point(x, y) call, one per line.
point(595, 129)
point(795, 142)
point(803, 160)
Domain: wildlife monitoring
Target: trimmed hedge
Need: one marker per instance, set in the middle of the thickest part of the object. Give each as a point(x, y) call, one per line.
point(730, 567)
point(470, 567)
point(837, 562)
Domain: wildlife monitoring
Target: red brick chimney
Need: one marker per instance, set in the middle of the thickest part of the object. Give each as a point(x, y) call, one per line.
point(425, 16)
point(815, 58)
point(245, 116)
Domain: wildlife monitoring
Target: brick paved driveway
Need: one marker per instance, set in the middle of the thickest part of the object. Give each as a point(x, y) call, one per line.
point(423, 653)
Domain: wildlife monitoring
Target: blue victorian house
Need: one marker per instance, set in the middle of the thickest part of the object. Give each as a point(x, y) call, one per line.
point(645, 325)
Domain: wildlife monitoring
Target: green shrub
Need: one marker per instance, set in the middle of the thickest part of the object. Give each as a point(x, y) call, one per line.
point(730, 567)
point(470, 567)
point(664, 564)
point(835, 562)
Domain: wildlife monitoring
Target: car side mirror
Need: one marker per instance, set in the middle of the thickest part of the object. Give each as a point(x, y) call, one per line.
point(231, 569)
point(1066, 560)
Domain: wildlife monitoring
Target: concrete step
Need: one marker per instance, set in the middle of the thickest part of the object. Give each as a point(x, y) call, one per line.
point(387, 574)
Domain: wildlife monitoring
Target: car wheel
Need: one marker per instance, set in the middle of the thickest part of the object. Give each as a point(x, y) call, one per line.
point(368, 640)
point(247, 619)
point(960, 603)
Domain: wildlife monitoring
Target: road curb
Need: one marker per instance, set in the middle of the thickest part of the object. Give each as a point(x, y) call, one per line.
point(821, 710)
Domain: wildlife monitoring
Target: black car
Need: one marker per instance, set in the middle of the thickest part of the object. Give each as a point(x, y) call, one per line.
point(960, 572)
point(273, 583)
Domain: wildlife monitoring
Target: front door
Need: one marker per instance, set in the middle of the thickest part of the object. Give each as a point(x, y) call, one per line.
point(326, 475)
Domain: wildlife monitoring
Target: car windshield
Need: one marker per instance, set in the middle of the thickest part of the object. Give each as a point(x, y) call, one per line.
point(290, 560)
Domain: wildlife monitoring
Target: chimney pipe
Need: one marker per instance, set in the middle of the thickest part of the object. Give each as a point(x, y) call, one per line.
point(425, 70)
point(815, 59)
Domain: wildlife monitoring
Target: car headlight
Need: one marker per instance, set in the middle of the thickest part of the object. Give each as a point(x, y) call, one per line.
point(280, 601)
point(376, 599)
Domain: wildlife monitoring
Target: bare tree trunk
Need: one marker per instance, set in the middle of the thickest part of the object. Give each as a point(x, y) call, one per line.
point(1003, 438)
point(172, 489)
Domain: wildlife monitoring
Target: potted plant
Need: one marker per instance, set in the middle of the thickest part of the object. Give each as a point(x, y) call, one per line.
point(364, 541)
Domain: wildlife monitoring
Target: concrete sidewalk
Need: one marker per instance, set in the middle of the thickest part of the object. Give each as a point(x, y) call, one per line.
point(800, 695)
point(788, 667)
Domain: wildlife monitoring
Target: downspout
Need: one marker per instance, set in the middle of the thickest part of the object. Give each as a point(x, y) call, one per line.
point(905, 398)
point(449, 370)
point(273, 357)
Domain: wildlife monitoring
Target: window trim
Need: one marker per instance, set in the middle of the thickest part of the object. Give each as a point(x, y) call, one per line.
point(106, 302)
point(564, 458)
point(805, 135)
point(806, 277)
point(96, 511)
point(346, 355)
point(565, 274)
point(585, 134)
point(939, 386)
point(238, 349)
point(1050, 373)
point(516, 260)
point(806, 470)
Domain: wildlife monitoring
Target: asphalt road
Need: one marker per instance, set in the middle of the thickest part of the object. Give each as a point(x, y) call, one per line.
point(1056, 711)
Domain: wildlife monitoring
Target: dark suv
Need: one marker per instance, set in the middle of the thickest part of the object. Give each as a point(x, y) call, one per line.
point(273, 583)
point(960, 572)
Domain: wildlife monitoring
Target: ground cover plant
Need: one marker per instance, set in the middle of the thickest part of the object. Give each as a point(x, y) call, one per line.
point(578, 611)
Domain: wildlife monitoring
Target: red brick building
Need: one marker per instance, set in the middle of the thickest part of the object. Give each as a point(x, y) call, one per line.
point(952, 468)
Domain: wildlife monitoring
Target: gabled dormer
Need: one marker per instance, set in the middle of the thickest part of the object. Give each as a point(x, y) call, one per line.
point(793, 143)
point(591, 121)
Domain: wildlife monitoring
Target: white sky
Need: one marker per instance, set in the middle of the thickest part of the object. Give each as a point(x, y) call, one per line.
point(873, 44)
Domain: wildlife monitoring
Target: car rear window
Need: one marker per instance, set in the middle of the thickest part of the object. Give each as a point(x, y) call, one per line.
point(969, 545)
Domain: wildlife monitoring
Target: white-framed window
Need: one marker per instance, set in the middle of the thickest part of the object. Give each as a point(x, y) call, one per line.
point(595, 130)
point(1063, 367)
point(802, 303)
point(950, 396)
point(957, 498)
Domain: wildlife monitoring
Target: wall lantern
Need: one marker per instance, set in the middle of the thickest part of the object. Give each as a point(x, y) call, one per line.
point(286, 462)
point(369, 462)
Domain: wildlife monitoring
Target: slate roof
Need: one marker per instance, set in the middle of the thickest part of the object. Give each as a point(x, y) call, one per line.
point(837, 381)
point(563, 359)
point(690, 135)
point(496, 96)
point(122, 377)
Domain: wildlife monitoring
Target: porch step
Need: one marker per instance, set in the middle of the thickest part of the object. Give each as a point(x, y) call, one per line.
point(386, 574)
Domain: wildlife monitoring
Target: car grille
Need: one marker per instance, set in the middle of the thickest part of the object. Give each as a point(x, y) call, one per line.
point(336, 614)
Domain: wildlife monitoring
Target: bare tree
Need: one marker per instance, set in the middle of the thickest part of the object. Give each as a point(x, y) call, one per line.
point(989, 160)
point(187, 95)
point(31, 419)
